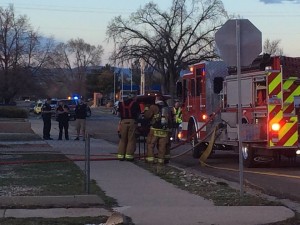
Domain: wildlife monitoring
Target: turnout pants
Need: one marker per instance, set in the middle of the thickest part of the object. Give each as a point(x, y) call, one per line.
point(127, 144)
point(162, 144)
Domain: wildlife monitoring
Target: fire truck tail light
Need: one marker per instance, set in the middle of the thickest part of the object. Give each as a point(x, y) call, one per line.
point(204, 116)
point(275, 127)
point(274, 135)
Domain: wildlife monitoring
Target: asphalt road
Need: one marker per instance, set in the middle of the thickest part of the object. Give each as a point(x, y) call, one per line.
point(282, 182)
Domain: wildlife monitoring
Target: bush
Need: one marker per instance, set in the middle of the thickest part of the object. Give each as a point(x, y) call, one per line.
point(12, 112)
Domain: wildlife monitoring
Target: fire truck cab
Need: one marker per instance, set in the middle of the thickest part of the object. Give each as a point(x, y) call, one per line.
point(270, 102)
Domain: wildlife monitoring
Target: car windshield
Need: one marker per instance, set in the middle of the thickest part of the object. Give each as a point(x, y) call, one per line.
point(68, 101)
point(53, 102)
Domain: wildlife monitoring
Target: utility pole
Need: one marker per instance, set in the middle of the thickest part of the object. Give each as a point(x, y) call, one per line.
point(131, 71)
point(114, 85)
point(122, 89)
point(142, 62)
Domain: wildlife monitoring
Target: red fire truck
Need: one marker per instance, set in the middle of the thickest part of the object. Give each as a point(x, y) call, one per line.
point(270, 102)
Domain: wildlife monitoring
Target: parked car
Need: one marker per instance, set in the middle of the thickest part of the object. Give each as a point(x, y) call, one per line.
point(38, 108)
point(72, 103)
point(31, 107)
point(115, 107)
point(53, 104)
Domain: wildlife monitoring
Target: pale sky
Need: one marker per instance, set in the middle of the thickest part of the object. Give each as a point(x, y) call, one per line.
point(88, 19)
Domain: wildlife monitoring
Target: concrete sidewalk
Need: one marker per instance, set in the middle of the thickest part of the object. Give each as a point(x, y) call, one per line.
point(146, 198)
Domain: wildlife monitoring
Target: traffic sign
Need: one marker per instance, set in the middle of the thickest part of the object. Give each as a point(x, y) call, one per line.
point(239, 43)
point(242, 34)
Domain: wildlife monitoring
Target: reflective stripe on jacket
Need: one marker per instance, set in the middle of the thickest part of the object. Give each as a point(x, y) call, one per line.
point(178, 115)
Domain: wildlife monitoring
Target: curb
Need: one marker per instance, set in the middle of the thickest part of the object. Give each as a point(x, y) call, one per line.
point(66, 201)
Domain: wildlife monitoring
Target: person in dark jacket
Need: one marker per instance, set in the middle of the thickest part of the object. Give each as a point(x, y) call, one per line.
point(62, 113)
point(129, 111)
point(80, 114)
point(46, 115)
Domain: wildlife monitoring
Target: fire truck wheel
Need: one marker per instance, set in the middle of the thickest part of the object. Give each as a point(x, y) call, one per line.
point(192, 136)
point(199, 149)
point(248, 155)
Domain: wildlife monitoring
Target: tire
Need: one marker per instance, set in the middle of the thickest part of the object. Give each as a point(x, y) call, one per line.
point(277, 159)
point(248, 155)
point(198, 148)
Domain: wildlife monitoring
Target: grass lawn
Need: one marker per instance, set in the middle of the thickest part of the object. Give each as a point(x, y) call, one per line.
point(45, 175)
point(54, 174)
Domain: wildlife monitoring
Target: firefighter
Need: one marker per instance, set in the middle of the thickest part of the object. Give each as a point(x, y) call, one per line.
point(129, 111)
point(177, 120)
point(159, 136)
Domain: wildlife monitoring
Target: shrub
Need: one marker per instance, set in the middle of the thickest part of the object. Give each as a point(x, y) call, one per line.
point(12, 112)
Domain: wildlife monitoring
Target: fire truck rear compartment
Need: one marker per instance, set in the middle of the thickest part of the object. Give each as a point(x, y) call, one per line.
point(270, 98)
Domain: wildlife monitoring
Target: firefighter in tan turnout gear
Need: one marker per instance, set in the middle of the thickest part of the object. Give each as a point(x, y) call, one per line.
point(159, 115)
point(129, 111)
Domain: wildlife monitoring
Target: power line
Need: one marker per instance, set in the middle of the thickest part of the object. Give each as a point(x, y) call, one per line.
point(72, 9)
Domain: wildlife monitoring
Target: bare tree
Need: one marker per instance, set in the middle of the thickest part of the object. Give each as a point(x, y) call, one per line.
point(73, 59)
point(21, 54)
point(272, 47)
point(37, 51)
point(171, 40)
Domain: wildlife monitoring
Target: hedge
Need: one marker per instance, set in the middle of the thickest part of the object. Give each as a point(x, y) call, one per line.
point(12, 112)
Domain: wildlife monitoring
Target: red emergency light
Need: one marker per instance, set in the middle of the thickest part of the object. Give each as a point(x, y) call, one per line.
point(275, 127)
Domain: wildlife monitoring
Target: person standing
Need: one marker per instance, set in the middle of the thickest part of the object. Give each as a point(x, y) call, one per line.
point(46, 115)
point(177, 112)
point(129, 111)
point(62, 113)
point(159, 135)
point(80, 114)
